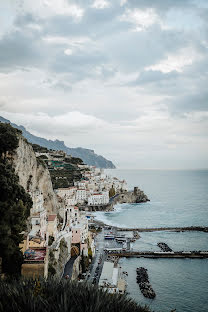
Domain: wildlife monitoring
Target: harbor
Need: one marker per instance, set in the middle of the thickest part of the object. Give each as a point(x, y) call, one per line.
point(112, 245)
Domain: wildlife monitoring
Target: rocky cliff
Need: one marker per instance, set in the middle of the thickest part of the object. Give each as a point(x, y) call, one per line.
point(135, 196)
point(33, 174)
point(131, 197)
point(88, 156)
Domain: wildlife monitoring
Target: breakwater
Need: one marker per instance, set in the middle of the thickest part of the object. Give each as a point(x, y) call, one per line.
point(164, 247)
point(161, 254)
point(174, 229)
point(144, 284)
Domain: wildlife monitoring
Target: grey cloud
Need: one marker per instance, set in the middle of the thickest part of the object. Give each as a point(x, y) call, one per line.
point(19, 50)
point(94, 23)
point(150, 76)
point(127, 51)
point(132, 51)
point(160, 5)
point(26, 19)
point(81, 64)
point(191, 102)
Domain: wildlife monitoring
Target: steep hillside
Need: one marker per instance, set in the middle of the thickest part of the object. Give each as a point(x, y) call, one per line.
point(87, 155)
point(32, 174)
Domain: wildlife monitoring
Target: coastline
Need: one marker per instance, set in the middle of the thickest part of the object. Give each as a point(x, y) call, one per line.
point(128, 197)
point(159, 229)
point(132, 197)
point(167, 195)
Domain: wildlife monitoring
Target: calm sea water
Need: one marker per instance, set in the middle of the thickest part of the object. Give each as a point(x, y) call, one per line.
point(178, 198)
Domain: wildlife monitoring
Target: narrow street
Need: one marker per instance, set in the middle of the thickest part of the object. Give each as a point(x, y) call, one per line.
point(98, 260)
point(69, 267)
point(100, 256)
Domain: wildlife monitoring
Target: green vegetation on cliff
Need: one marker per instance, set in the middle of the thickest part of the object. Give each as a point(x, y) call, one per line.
point(64, 170)
point(63, 296)
point(88, 156)
point(15, 203)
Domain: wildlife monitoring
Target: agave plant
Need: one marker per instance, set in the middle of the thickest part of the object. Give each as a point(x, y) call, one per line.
point(61, 296)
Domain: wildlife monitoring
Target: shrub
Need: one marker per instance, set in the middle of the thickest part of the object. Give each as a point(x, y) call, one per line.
point(61, 296)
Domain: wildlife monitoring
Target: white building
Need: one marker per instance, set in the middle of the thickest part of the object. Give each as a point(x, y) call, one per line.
point(111, 278)
point(37, 199)
point(81, 195)
point(71, 201)
point(39, 226)
point(52, 226)
point(80, 184)
point(66, 192)
point(98, 199)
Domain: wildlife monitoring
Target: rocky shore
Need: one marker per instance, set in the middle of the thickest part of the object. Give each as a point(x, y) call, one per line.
point(132, 197)
point(135, 196)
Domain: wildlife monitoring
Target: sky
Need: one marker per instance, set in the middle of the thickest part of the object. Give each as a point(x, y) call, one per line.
point(127, 78)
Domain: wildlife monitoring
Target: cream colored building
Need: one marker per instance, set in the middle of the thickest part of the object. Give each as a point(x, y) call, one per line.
point(52, 225)
point(35, 264)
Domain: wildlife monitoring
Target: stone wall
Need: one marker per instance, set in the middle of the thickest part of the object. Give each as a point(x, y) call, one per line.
point(58, 257)
point(76, 269)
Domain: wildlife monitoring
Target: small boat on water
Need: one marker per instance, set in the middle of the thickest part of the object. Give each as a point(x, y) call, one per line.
point(125, 273)
point(109, 236)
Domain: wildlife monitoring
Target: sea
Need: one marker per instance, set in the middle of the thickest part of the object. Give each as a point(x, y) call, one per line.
point(177, 198)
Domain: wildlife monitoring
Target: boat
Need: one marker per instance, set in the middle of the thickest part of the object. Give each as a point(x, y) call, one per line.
point(120, 238)
point(109, 236)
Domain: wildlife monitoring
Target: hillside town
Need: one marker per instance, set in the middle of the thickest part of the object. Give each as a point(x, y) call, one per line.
point(64, 244)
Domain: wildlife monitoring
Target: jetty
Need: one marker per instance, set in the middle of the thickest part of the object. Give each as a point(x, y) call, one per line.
point(159, 254)
point(174, 229)
point(144, 284)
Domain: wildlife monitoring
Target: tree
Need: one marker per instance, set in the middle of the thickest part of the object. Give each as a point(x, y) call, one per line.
point(8, 138)
point(15, 204)
point(112, 192)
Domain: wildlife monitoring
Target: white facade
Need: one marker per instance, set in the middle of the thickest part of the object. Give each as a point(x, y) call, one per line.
point(81, 224)
point(80, 184)
point(37, 198)
point(98, 199)
point(39, 225)
point(71, 201)
point(66, 192)
point(81, 195)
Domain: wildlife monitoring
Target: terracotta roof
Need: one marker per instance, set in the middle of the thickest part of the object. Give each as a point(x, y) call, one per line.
point(52, 217)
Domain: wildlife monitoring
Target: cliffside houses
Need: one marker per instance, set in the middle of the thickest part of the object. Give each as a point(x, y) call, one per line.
point(47, 230)
point(45, 235)
point(34, 246)
point(38, 235)
point(93, 189)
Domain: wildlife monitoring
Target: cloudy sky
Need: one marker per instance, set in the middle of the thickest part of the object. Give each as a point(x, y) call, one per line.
point(128, 78)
